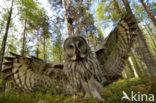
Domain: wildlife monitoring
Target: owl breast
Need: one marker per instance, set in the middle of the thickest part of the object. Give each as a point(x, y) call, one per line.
point(82, 71)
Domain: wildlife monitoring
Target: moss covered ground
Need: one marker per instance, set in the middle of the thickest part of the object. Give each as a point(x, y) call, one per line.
point(111, 93)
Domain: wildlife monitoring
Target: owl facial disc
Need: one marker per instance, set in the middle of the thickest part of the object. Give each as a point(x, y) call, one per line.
point(78, 55)
point(75, 48)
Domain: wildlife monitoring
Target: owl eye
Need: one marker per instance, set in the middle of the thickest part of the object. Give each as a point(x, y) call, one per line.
point(71, 46)
point(79, 44)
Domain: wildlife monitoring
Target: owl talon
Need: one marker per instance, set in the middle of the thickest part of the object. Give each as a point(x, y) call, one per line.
point(86, 96)
point(99, 97)
point(74, 97)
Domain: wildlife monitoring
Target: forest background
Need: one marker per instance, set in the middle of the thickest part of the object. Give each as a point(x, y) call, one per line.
point(39, 28)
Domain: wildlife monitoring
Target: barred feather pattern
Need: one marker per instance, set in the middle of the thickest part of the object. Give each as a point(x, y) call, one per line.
point(31, 74)
point(24, 78)
point(79, 73)
point(86, 75)
point(114, 50)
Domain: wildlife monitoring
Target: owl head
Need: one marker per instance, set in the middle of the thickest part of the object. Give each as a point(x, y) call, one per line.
point(75, 48)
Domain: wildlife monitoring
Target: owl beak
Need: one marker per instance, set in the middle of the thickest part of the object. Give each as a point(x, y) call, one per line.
point(78, 56)
point(77, 53)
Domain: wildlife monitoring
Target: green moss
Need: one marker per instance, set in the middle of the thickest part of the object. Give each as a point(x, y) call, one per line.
point(111, 93)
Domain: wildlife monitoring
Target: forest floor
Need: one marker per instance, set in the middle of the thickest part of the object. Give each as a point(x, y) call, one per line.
point(111, 93)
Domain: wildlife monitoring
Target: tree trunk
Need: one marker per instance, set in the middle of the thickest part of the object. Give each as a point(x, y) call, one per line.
point(65, 17)
point(149, 32)
point(2, 51)
point(69, 16)
point(143, 46)
point(60, 55)
point(117, 7)
point(44, 49)
point(87, 35)
point(37, 46)
point(151, 16)
point(139, 70)
point(100, 33)
point(24, 38)
point(124, 74)
point(133, 68)
point(140, 56)
point(2, 26)
point(149, 28)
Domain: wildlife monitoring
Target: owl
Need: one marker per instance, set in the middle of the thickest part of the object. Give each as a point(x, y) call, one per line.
point(83, 70)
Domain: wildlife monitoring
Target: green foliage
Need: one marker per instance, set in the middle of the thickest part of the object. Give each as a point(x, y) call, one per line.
point(51, 29)
point(27, 8)
point(151, 45)
point(139, 12)
point(101, 37)
point(57, 49)
point(106, 13)
point(111, 93)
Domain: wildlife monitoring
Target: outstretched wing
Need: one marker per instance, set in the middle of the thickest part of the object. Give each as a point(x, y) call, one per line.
point(114, 50)
point(28, 74)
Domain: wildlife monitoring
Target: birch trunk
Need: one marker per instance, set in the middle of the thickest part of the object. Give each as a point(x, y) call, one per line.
point(133, 68)
point(151, 16)
point(24, 38)
point(143, 46)
point(2, 50)
point(65, 17)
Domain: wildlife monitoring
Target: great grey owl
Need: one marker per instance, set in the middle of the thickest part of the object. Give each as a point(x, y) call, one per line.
point(83, 70)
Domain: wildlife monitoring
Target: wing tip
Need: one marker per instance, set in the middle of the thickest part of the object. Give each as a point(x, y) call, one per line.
point(33, 57)
point(14, 54)
point(8, 63)
point(7, 70)
point(9, 58)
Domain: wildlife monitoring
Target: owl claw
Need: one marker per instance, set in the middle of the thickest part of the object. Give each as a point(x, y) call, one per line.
point(74, 97)
point(97, 95)
point(86, 95)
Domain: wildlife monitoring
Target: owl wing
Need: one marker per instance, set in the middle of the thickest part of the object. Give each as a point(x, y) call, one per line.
point(29, 73)
point(114, 50)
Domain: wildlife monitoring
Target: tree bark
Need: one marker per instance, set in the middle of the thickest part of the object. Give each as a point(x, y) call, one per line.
point(149, 28)
point(151, 16)
point(133, 68)
point(143, 46)
point(44, 49)
point(150, 34)
point(24, 38)
point(69, 16)
point(100, 33)
point(124, 74)
point(37, 46)
point(2, 26)
point(136, 62)
point(117, 7)
point(65, 17)
point(2, 52)
point(142, 63)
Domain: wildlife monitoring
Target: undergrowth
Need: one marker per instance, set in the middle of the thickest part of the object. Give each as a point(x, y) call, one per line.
point(111, 93)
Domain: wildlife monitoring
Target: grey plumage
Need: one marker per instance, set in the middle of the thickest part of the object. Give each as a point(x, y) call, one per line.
point(83, 70)
point(82, 67)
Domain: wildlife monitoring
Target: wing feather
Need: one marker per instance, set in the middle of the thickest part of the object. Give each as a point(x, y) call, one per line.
point(26, 73)
point(115, 48)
